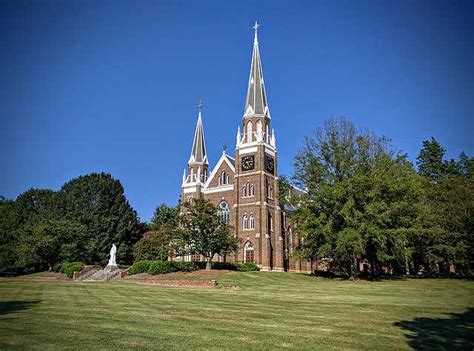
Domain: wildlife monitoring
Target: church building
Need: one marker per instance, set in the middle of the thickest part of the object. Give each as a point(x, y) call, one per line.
point(245, 186)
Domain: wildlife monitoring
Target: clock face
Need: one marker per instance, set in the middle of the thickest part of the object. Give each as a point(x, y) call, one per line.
point(248, 163)
point(269, 164)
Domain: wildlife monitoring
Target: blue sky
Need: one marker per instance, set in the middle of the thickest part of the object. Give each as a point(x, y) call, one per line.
point(90, 86)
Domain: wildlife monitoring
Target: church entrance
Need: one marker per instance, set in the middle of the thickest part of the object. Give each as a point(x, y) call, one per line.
point(249, 253)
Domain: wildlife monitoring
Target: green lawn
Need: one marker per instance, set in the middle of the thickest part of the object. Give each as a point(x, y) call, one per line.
point(267, 311)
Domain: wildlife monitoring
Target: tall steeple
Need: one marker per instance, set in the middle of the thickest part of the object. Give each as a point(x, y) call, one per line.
point(198, 152)
point(256, 103)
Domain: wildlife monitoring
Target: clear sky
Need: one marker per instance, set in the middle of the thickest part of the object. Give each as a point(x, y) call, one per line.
point(89, 86)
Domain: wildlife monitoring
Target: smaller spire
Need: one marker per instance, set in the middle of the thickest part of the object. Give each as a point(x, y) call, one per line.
point(238, 137)
point(184, 175)
point(198, 152)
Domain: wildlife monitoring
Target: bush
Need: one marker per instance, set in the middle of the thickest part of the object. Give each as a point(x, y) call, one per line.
point(248, 267)
point(70, 268)
point(184, 266)
point(58, 267)
point(161, 267)
point(140, 267)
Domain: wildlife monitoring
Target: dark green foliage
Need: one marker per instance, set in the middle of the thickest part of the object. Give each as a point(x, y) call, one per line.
point(203, 232)
point(79, 223)
point(184, 266)
point(248, 267)
point(361, 197)
point(140, 267)
point(70, 268)
point(235, 266)
point(161, 267)
point(155, 246)
point(165, 216)
point(430, 160)
point(365, 202)
point(98, 201)
point(45, 243)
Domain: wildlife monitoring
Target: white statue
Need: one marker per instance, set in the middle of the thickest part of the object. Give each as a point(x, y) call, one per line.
point(113, 251)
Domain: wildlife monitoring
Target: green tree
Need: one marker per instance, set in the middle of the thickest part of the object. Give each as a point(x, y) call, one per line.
point(51, 241)
point(204, 232)
point(164, 215)
point(362, 198)
point(430, 160)
point(156, 245)
point(10, 221)
point(98, 201)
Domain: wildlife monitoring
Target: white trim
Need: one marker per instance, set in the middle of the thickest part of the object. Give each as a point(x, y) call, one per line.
point(248, 150)
point(218, 189)
point(190, 190)
point(224, 157)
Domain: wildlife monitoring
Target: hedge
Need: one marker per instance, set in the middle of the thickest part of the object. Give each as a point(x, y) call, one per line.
point(231, 266)
point(160, 267)
point(70, 268)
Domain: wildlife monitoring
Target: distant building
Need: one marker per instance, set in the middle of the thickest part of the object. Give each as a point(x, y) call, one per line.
point(245, 187)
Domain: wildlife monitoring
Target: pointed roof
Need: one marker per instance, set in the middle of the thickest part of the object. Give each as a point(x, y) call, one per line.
point(256, 103)
point(198, 152)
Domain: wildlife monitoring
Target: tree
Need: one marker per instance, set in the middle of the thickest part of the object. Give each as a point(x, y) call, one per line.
point(165, 215)
point(50, 242)
point(204, 232)
point(155, 246)
point(98, 201)
point(361, 197)
point(430, 160)
point(9, 231)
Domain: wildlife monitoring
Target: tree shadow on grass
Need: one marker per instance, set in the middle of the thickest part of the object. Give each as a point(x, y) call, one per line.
point(8, 307)
point(453, 333)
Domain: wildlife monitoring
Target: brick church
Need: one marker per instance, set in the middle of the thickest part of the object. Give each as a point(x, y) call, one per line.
point(245, 186)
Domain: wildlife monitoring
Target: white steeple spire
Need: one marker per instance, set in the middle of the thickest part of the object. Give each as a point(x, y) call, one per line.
point(198, 151)
point(256, 103)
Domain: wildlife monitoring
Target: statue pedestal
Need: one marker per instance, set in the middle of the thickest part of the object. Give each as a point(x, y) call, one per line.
point(111, 268)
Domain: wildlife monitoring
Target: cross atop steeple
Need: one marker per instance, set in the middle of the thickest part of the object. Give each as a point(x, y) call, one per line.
point(255, 27)
point(200, 105)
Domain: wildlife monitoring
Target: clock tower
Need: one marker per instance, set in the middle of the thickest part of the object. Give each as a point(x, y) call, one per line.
point(256, 207)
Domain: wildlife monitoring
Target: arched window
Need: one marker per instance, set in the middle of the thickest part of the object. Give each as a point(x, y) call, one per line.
point(249, 255)
point(248, 190)
point(223, 178)
point(224, 211)
point(270, 192)
point(245, 222)
point(270, 222)
point(251, 221)
point(259, 129)
point(249, 132)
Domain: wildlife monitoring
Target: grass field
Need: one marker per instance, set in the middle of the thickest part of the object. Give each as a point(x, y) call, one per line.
point(255, 310)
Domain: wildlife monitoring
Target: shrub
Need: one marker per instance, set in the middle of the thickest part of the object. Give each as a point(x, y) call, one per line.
point(248, 267)
point(225, 265)
point(184, 266)
point(70, 268)
point(58, 267)
point(234, 266)
point(140, 267)
point(161, 267)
